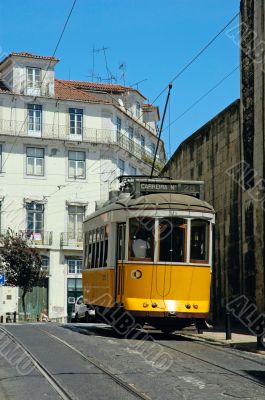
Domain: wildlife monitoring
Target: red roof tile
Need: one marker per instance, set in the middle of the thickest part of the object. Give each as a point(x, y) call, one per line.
point(106, 87)
point(64, 90)
point(29, 55)
point(102, 87)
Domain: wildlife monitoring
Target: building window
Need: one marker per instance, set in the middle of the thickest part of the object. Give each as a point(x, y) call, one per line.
point(74, 266)
point(121, 166)
point(76, 121)
point(35, 161)
point(33, 78)
point(142, 142)
point(118, 129)
point(131, 138)
point(133, 170)
point(35, 214)
point(76, 164)
point(138, 109)
point(152, 148)
point(34, 118)
point(75, 222)
point(45, 263)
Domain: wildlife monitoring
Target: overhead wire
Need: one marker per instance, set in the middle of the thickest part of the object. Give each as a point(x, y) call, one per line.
point(140, 116)
point(54, 52)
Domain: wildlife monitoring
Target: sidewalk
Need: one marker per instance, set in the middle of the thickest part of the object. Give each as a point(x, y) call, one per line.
point(239, 340)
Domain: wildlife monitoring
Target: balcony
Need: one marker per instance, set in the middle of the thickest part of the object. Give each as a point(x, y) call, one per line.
point(70, 240)
point(43, 238)
point(89, 135)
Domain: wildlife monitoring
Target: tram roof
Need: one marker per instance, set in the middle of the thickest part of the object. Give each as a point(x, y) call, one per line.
point(161, 201)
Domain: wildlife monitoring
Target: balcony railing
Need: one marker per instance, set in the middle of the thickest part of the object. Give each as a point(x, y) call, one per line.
point(69, 239)
point(43, 238)
point(89, 135)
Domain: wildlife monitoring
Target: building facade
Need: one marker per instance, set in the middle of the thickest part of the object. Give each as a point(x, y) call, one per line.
point(62, 146)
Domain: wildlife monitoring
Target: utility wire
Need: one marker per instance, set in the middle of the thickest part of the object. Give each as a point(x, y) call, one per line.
point(197, 55)
point(54, 52)
point(174, 78)
point(202, 97)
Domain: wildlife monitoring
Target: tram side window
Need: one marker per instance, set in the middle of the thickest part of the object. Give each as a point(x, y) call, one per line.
point(86, 252)
point(105, 259)
point(141, 243)
point(90, 246)
point(101, 247)
point(97, 249)
point(93, 263)
point(172, 240)
point(121, 241)
point(199, 246)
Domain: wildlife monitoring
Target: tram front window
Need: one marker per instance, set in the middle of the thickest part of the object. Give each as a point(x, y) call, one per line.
point(199, 241)
point(172, 240)
point(141, 245)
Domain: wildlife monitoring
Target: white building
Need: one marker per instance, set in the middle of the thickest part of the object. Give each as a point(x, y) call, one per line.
point(62, 146)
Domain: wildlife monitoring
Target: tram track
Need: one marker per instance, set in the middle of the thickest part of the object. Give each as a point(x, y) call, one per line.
point(64, 393)
point(229, 370)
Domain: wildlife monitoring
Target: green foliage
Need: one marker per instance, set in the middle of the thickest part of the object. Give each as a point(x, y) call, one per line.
point(20, 262)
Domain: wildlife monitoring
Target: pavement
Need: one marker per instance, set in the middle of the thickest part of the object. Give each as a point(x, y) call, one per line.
point(240, 340)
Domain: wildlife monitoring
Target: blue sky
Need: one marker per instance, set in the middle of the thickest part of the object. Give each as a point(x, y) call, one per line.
point(155, 38)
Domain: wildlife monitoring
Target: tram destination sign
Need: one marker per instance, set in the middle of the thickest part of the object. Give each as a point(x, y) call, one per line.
point(183, 187)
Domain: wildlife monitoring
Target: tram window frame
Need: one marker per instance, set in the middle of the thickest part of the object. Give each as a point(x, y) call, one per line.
point(101, 247)
point(97, 248)
point(121, 241)
point(106, 246)
point(90, 249)
point(86, 244)
point(206, 242)
point(93, 249)
point(185, 229)
point(152, 247)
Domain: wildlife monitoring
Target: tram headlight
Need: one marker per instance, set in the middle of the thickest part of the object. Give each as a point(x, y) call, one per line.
point(188, 306)
point(145, 304)
point(195, 306)
point(154, 305)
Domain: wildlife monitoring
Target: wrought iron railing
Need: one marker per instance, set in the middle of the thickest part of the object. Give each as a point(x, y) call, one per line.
point(43, 238)
point(70, 239)
point(89, 135)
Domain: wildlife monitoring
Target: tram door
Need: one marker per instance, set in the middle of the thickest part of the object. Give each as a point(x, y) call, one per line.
point(119, 273)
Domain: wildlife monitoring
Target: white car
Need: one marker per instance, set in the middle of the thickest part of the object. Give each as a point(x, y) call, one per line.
point(80, 311)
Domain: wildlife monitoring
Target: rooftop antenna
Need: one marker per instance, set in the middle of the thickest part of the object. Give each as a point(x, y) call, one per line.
point(111, 77)
point(138, 83)
point(122, 68)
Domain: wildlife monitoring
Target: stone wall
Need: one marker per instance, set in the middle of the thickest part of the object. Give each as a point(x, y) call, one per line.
point(207, 155)
point(252, 122)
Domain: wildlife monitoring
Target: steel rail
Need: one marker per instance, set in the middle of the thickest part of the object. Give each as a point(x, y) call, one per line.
point(222, 347)
point(128, 387)
point(65, 394)
point(212, 363)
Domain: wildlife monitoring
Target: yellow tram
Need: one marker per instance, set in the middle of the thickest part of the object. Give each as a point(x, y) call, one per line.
point(148, 252)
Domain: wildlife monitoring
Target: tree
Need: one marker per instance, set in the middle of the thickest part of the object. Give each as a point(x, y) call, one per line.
point(20, 263)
